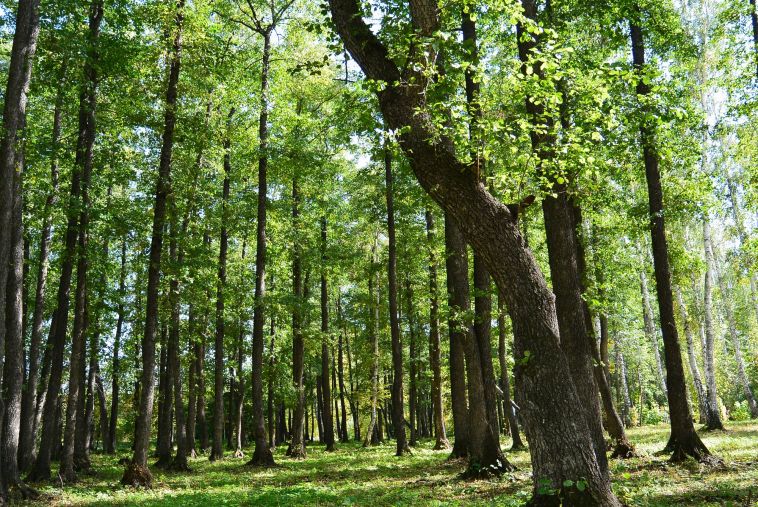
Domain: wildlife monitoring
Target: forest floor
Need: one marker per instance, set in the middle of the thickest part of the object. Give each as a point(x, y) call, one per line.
point(356, 476)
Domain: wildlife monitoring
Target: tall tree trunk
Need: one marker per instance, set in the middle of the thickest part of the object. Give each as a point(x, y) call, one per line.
point(271, 379)
point(440, 432)
point(517, 443)
point(111, 443)
point(398, 417)
point(747, 261)
point(217, 451)
point(458, 300)
point(30, 395)
point(650, 332)
point(72, 438)
point(728, 304)
point(354, 409)
point(623, 448)
point(200, 372)
point(553, 424)
point(326, 387)
point(413, 361)
point(297, 445)
point(165, 401)
point(713, 414)
point(373, 294)
point(176, 254)
point(137, 473)
point(562, 250)
point(341, 380)
point(262, 455)
point(692, 358)
point(684, 440)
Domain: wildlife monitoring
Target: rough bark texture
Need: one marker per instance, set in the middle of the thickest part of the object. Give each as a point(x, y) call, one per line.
point(684, 440)
point(545, 391)
point(458, 300)
point(177, 257)
point(562, 248)
point(137, 473)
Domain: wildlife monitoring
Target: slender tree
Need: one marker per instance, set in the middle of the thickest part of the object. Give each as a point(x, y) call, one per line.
point(684, 440)
point(137, 473)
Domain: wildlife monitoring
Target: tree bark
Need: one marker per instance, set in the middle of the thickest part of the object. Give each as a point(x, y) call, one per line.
point(517, 444)
point(137, 473)
point(297, 445)
point(458, 300)
point(176, 254)
point(398, 417)
point(440, 433)
point(262, 455)
point(30, 395)
point(111, 443)
point(692, 358)
point(712, 414)
point(326, 385)
point(553, 423)
point(728, 304)
point(413, 360)
point(373, 294)
point(341, 379)
point(650, 332)
point(684, 440)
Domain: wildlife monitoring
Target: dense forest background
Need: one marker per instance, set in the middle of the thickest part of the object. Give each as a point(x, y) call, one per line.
point(232, 226)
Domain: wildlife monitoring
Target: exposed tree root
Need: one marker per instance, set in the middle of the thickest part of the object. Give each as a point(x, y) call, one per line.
point(179, 465)
point(298, 453)
point(441, 445)
point(476, 471)
point(138, 476)
point(39, 475)
point(239, 454)
point(193, 454)
point(623, 449)
point(262, 458)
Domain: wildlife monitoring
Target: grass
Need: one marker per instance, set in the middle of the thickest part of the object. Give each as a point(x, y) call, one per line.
point(356, 476)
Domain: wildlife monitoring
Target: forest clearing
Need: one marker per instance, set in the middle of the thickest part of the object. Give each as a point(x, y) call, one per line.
point(379, 252)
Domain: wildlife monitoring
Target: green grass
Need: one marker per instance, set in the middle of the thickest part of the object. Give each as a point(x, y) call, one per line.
point(356, 476)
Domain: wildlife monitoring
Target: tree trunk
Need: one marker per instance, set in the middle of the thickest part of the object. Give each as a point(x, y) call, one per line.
point(137, 473)
point(176, 254)
point(746, 260)
point(517, 444)
point(326, 386)
point(341, 381)
point(694, 369)
point(398, 417)
point(440, 433)
point(353, 400)
point(111, 443)
point(684, 440)
point(200, 373)
point(458, 300)
point(413, 361)
point(165, 402)
point(713, 414)
point(72, 438)
point(297, 445)
point(373, 294)
point(217, 451)
point(650, 332)
point(262, 455)
point(30, 395)
point(554, 426)
point(728, 303)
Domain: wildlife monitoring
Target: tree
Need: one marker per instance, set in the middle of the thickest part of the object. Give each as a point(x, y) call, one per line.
point(684, 441)
point(137, 473)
